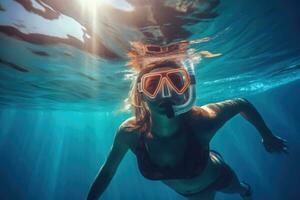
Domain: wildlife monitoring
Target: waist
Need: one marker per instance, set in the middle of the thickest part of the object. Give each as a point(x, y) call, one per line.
point(208, 176)
point(190, 167)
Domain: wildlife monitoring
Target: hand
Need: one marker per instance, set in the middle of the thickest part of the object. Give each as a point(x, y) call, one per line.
point(275, 144)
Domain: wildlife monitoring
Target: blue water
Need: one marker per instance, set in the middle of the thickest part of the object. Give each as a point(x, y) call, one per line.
point(59, 105)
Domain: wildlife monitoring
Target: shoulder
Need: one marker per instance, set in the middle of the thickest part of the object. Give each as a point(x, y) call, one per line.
point(213, 109)
point(127, 125)
point(211, 115)
point(126, 131)
point(200, 113)
point(200, 118)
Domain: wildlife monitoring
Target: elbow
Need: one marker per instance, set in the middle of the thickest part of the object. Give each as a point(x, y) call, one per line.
point(242, 100)
point(245, 106)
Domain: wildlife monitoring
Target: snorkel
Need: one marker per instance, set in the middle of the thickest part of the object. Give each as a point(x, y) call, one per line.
point(183, 108)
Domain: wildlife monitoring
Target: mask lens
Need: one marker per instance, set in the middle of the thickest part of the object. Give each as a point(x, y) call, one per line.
point(151, 84)
point(178, 80)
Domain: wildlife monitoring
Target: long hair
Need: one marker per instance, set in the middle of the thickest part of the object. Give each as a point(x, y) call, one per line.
point(140, 108)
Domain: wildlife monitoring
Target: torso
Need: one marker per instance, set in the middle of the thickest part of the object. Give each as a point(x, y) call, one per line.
point(170, 153)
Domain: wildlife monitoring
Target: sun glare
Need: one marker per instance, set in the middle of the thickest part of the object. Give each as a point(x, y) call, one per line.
point(90, 4)
point(93, 4)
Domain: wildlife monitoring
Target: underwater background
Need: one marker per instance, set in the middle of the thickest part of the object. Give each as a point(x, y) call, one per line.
point(64, 79)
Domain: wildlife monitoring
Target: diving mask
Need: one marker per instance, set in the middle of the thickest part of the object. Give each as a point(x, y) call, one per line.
point(169, 85)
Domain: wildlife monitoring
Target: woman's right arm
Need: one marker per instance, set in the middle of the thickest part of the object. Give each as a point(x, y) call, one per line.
point(108, 169)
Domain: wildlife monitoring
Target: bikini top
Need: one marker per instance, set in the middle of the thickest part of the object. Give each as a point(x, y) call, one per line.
point(193, 163)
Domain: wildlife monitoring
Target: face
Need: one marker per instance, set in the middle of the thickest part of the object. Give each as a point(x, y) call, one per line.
point(165, 95)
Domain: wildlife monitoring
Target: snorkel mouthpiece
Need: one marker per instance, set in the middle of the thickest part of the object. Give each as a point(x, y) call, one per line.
point(167, 105)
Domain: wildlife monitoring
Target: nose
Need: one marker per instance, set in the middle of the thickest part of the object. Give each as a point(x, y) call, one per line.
point(165, 89)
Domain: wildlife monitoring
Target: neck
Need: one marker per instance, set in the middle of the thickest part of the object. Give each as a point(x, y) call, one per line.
point(162, 126)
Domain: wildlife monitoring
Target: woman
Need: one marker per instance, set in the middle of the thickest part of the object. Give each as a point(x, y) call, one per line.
point(170, 136)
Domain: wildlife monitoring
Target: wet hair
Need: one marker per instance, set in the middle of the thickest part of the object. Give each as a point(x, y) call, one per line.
point(139, 106)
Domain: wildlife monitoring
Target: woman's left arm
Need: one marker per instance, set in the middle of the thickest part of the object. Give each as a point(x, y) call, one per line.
point(221, 112)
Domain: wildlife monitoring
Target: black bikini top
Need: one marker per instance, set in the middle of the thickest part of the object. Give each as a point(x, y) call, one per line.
point(193, 163)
